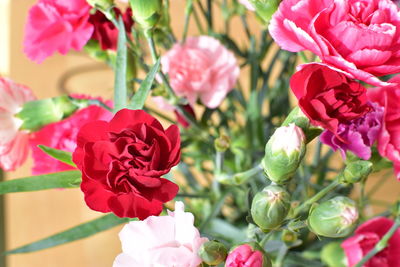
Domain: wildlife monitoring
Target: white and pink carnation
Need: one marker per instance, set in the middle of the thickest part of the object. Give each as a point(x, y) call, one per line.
point(163, 241)
point(201, 68)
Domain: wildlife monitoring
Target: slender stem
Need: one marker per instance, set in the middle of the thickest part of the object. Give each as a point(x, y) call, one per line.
point(266, 237)
point(209, 15)
point(188, 13)
point(380, 245)
point(191, 195)
point(245, 26)
point(303, 57)
point(216, 209)
point(315, 198)
point(198, 22)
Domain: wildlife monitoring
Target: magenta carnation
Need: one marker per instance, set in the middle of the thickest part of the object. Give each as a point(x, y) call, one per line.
point(56, 26)
point(357, 135)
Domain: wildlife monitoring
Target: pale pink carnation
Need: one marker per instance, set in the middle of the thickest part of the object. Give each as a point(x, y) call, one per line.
point(14, 146)
point(56, 26)
point(163, 241)
point(360, 37)
point(62, 135)
point(201, 68)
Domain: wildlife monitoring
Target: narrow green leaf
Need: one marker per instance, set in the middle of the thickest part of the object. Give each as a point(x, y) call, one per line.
point(140, 97)
point(60, 155)
point(67, 179)
point(120, 90)
point(78, 232)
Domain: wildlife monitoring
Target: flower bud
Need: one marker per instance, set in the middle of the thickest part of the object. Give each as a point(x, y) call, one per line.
point(101, 4)
point(356, 171)
point(213, 252)
point(333, 255)
point(250, 254)
point(270, 207)
point(289, 237)
point(334, 218)
point(265, 8)
point(222, 143)
point(146, 13)
point(283, 153)
point(36, 114)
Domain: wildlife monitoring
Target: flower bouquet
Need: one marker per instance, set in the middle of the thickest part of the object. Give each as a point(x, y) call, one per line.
point(234, 163)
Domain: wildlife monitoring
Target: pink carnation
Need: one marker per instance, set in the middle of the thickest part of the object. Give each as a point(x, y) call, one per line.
point(360, 37)
point(201, 68)
point(62, 135)
point(56, 26)
point(364, 240)
point(389, 136)
point(167, 241)
point(245, 256)
point(14, 146)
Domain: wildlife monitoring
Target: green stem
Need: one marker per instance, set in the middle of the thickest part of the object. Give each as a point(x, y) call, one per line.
point(303, 57)
point(198, 22)
point(209, 15)
point(191, 195)
point(188, 13)
point(306, 205)
point(3, 262)
point(216, 210)
point(380, 245)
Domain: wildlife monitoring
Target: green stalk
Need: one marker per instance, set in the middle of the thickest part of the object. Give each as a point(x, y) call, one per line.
point(3, 262)
point(188, 13)
point(306, 205)
point(380, 245)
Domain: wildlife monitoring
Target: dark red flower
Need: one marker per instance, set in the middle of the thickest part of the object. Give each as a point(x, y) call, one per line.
point(327, 96)
point(364, 240)
point(181, 119)
point(105, 31)
point(122, 162)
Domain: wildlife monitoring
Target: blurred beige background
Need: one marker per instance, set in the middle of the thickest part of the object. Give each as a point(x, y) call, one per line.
point(32, 216)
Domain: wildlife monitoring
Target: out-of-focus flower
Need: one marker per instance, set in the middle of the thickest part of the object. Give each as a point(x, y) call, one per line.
point(14, 145)
point(166, 241)
point(213, 252)
point(247, 255)
point(146, 13)
point(163, 104)
point(327, 97)
point(201, 68)
point(122, 162)
point(105, 31)
point(358, 135)
point(359, 37)
point(364, 240)
point(56, 26)
point(388, 140)
point(334, 218)
point(283, 153)
point(62, 135)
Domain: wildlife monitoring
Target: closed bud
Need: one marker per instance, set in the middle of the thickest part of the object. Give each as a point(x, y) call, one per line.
point(334, 218)
point(222, 143)
point(101, 4)
point(270, 207)
point(283, 153)
point(146, 12)
point(289, 237)
point(356, 171)
point(250, 254)
point(36, 114)
point(265, 8)
point(333, 255)
point(213, 252)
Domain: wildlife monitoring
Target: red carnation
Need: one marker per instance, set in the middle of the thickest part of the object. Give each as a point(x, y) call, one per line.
point(105, 31)
point(122, 162)
point(327, 96)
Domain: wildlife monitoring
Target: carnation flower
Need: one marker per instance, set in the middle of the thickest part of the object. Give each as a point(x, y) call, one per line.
point(358, 135)
point(327, 97)
point(364, 240)
point(56, 26)
point(247, 255)
point(62, 135)
point(14, 146)
point(359, 37)
point(201, 68)
point(164, 241)
point(122, 162)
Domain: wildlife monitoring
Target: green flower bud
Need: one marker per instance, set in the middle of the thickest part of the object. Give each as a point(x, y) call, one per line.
point(356, 171)
point(283, 153)
point(222, 143)
point(36, 114)
point(146, 12)
point(213, 252)
point(333, 255)
point(289, 237)
point(270, 207)
point(334, 218)
point(265, 8)
point(101, 4)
